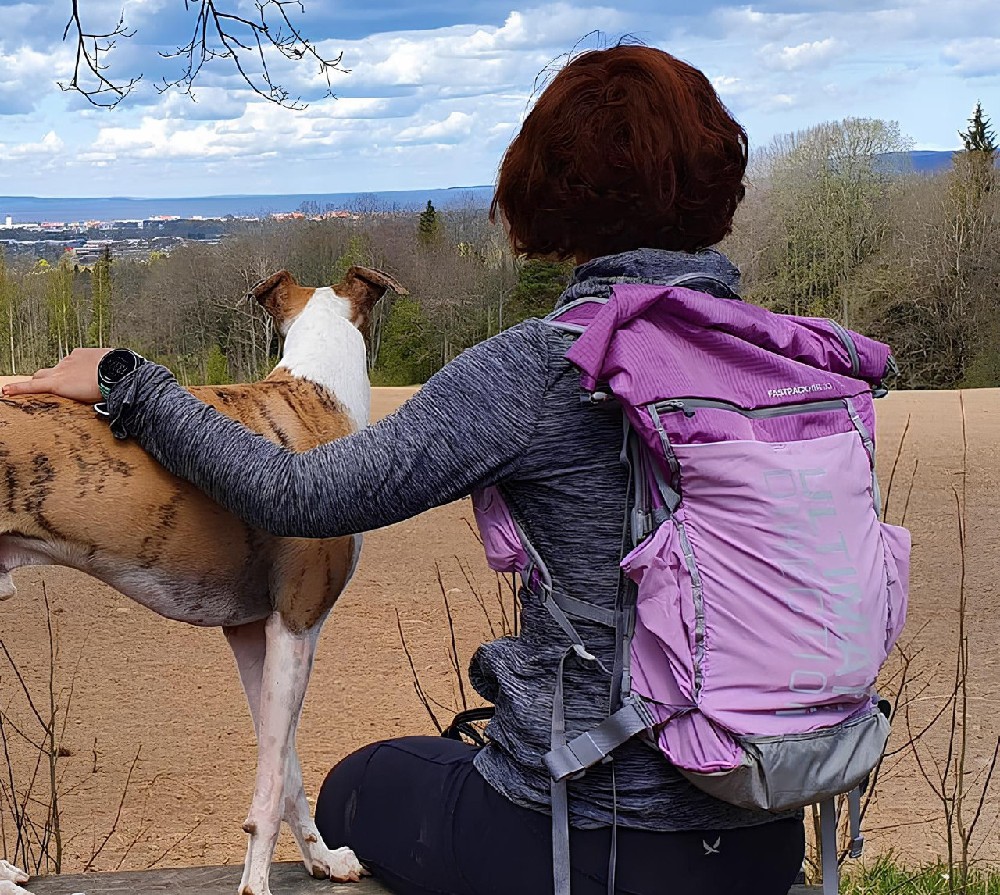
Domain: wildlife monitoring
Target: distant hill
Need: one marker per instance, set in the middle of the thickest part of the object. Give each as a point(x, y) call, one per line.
point(927, 162)
point(922, 161)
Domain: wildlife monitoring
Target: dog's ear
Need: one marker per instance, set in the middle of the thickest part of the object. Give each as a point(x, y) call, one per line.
point(363, 287)
point(281, 296)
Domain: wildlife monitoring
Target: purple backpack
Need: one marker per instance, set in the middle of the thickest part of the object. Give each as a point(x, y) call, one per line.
point(767, 593)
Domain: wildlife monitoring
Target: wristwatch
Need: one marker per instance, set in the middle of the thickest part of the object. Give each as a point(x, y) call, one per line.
point(112, 369)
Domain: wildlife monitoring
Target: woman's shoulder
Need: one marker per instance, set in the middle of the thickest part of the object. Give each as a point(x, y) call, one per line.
point(535, 334)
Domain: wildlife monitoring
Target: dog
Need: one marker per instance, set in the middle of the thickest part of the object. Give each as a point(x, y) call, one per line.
point(72, 495)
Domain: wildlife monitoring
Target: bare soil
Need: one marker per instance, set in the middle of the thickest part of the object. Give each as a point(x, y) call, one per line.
point(163, 698)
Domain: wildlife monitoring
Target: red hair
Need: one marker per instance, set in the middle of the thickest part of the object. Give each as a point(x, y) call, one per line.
point(627, 148)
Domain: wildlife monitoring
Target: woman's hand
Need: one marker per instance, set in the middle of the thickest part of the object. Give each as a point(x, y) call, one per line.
point(74, 377)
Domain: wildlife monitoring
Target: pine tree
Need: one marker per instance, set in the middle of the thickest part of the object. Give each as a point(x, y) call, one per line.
point(429, 226)
point(976, 166)
point(979, 136)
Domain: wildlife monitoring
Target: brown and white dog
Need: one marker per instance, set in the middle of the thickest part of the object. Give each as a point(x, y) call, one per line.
point(71, 495)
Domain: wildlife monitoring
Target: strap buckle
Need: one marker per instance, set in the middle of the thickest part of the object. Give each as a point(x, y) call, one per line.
point(857, 846)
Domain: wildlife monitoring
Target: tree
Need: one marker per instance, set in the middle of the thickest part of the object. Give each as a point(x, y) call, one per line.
point(971, 245)
point(8, 311)
point(829, 190)
point(100, 298)
point(539, 284)
point(934, 285)
point(979, 136)
point(216, 366)
point(429, 225)
point(61, 306)
point(222, 30)
point(975, 167)
point(408, 355)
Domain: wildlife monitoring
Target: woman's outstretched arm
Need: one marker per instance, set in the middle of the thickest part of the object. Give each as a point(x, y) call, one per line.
point(467, 426)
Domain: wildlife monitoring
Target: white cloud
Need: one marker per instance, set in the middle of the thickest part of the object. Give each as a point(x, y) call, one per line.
point(450, 130)
point(26, 76)
point(811, 54)
point(974, 57)
point(50, 145)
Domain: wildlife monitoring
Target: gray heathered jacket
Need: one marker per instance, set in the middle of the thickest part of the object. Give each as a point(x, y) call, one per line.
point(506, 411)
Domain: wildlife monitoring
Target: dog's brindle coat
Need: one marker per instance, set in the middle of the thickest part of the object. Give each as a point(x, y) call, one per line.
point(71, 494)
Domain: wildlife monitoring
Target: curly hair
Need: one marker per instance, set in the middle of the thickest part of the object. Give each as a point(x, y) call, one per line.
point(626, 148)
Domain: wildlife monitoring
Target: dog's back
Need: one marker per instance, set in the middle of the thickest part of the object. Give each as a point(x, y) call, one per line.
point(71, 494)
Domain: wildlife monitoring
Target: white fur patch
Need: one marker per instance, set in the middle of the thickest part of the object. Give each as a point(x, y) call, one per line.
point(324, 346)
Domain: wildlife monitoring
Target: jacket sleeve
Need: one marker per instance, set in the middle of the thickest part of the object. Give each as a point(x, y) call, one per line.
point(468, 426)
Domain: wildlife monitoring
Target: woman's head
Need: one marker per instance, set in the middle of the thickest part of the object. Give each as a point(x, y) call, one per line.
point(626, 148)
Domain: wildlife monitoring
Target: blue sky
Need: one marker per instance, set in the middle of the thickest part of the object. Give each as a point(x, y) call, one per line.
point(437, 88)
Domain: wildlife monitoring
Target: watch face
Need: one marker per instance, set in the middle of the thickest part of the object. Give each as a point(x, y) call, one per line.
point(117, 364)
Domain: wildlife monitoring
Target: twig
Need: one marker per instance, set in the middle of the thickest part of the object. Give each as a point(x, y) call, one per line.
point(173, 845)
point(895, 465)
point(909, 491)
point(416, 678)
point(114, 826)
point(453, 653)
point(52, 825)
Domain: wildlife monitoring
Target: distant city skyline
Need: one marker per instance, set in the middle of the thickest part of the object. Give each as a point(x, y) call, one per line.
point(436, 91)
point(65, 209)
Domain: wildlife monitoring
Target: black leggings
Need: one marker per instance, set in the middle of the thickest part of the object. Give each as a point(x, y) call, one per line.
point(422, 819)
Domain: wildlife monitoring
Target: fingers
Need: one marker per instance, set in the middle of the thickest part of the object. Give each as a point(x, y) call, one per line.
point(74, 377)
point(37, 385)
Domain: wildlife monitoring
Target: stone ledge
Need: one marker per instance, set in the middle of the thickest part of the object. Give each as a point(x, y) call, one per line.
point(287, 878)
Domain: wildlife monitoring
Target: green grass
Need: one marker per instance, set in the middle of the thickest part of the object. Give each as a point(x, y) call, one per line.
point(886, 877)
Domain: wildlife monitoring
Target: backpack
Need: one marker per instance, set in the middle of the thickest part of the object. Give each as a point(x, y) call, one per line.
point(761, 594)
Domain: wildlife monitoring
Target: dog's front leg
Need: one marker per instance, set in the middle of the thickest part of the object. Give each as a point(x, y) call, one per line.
point(338, 864)
point(274, 665)
point(10, 879)
point(285, 674)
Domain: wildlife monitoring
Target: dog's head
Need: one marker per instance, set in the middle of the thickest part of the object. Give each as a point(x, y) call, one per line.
point(361, 288)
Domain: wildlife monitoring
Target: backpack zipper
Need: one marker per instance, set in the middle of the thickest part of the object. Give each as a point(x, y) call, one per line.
point(688, 406)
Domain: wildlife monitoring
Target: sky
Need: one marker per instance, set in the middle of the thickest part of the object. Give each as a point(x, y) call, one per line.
point(436, 89)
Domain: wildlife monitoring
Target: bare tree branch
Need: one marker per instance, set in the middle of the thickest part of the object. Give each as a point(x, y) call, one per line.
point(245, 43)
point(223, 35)
point(91, 49)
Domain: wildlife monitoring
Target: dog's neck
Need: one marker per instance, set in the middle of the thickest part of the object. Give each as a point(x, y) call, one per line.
point(324, 346)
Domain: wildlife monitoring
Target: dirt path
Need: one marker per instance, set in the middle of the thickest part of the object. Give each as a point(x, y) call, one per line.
point(169, 693)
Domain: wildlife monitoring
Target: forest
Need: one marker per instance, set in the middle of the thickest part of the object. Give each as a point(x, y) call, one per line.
point(833, 225)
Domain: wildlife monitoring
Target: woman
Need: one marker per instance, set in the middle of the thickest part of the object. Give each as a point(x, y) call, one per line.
point(629, 164)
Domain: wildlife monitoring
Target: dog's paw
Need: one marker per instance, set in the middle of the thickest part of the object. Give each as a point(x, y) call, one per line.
point(339, 864)
point(10, 879)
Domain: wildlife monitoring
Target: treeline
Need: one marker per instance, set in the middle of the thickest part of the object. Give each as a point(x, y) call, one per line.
point(832, 226)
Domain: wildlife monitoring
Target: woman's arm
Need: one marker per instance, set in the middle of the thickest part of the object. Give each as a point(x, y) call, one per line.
point(468, 426)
